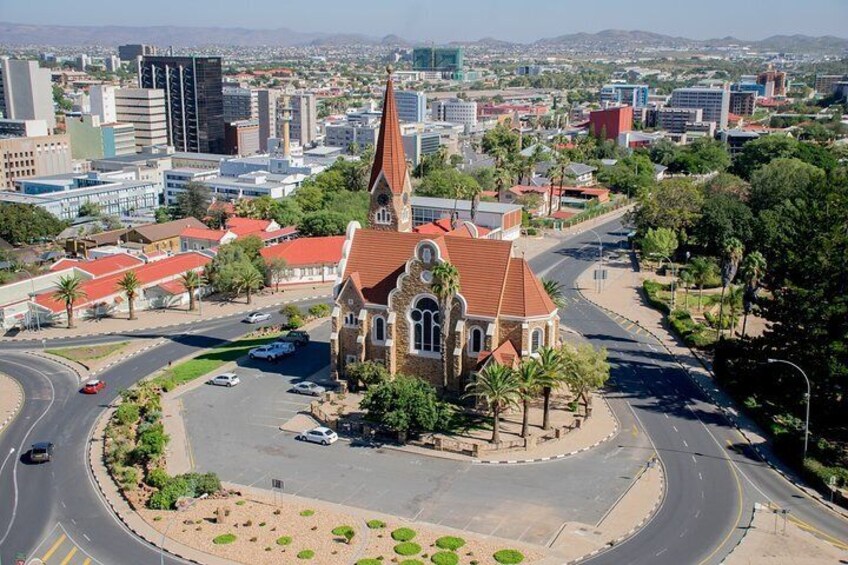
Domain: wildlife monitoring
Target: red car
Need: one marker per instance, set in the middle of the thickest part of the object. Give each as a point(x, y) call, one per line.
point(93, 386)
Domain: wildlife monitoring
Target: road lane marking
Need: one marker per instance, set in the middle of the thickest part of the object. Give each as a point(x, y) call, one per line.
point(700, 477)
point(69, 556)
point(87, 561)
point(86, 538)
point(685, 444)
point(54, 547)
point(675, 428)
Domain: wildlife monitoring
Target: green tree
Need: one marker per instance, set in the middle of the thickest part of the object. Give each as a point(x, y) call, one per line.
point(674, 204)
point(527, 374)
point(191, 280)
point(192, 202)
point(448, 183)
point(554, 290)
point(369, 373)
point(89, 208)
point(248, 281)
point(762, 151)
point(727, 184)
point(703, 271)
point(497, 387)
point(277, 269)
point(702, 156)
point(782, 179)
point(406, 404)
point(732, 255)
point(286, 212)
point(310, 198)
point(322, 223)
point(130, 285)
point(753, 269)
point(585, 369)
point(661, 242)
point(227, 267)
point(68, 291)
point(24, 224)
point(722, 217)
point(162, 215)
point(550, 377)
point(445, 287)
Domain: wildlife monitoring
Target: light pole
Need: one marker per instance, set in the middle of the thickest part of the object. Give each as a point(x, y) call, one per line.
point(807, 380)
point(600, 259)
point(673, 276)
point(171, 523)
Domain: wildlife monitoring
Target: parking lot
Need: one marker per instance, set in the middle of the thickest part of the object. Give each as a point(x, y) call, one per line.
point(235, 432)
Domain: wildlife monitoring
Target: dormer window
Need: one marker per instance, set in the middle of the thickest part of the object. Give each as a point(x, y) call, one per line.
point(383, 216)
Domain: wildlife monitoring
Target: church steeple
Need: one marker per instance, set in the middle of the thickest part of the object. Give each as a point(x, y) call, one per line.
point(390, 186)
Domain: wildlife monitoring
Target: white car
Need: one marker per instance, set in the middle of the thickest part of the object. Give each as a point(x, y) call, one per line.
point(322, 435)
point(273, 351)
point(310, 388)
point(225, 379)
point(256, 317)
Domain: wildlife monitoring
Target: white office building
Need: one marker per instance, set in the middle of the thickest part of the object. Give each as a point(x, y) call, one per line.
point(102, 98)
point(26, 91)
point(144, 108)
point(411, 105)
point(248, 185)
point(455, 111)
point(715, 102)
point(304, 118)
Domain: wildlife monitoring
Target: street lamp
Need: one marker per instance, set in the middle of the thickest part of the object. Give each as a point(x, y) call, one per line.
point(673, 276)
point(807, 421)
point(171, 523)
point(600, 259)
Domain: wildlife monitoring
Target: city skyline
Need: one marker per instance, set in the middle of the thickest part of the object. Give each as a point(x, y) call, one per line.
point(440, 20)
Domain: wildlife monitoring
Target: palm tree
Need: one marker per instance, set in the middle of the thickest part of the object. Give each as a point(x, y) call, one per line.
point(735, 304)
point(753, 268)
point(562, 172)
point(528, 380)
point(733, 251)
point(69, 290)
point(191, 280)
point(498, 388)
point(687, 279)
point(248, 281)
point(702, 271)
point(550, 377)
point(130, 284)
point(445, 287)
point(555, 292)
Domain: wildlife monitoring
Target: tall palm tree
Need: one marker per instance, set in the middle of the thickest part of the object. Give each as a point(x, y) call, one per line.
point(735, 305)
point(753, 268)
point(498, 388)
point(69, 290)
point(562, 172)
point(249, 281)
point(702, 271)
point(733, 251)
point(191, 280)
point(687, 279)
point(130, 284)
point(445, 287)
point(555, 292)
point(550, 377)
point(528, 380)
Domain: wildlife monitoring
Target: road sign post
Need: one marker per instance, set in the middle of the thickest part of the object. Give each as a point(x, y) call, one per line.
point(277, 486)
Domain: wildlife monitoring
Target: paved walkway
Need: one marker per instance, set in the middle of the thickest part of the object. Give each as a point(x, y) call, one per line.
point(154, 319)
point(11, 400)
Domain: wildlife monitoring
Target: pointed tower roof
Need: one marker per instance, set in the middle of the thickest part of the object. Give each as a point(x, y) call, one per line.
point(389, 157)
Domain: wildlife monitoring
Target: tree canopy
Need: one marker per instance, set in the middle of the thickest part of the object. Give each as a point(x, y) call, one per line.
point(23, 224)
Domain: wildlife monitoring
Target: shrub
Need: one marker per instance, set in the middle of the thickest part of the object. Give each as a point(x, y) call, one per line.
point(341, 530)
point(531, 231)
point(370, 373)
point(320, 310)
point(128, 476)
point(407, 548)
point(411, 562)
point(508, 556)
point(158, 478)
point(290, 310)
point(652, 289)
point(203, 483)
point(445, 558)
point(403, 534)
point(306, 554)
point(294, 322)
point(284, 540)
point(407, 404)
point(224, 539)
point(307, 512)
point(376, 524)
point(241, 502)
point(167, 496)
point(151, 444)
point(369, 561)
point(127, 413)
point(451, 543)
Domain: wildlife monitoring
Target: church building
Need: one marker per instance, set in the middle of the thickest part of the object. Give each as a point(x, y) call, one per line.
point(386, 310)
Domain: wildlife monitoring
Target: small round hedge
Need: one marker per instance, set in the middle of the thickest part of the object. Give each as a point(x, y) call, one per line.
point(376, 524)
point(342, 530)
point(407, 548)
point(445, 558)
point(369, 561)
point(306, 554)
point(284, 540)
point(411, 562)
point(224, 539)
point(508, 556)
point(403, 534)
point(307, 512)
point(451, 543)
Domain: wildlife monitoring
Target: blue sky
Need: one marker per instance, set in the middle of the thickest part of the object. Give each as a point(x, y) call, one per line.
point(442, 20)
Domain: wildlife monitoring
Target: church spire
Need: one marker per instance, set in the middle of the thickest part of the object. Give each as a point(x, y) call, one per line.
point(389, 157)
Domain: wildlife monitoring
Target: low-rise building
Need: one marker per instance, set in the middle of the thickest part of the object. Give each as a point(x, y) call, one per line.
point(25, 157)
point(269, 231)
point(93, 139)
point(309, 260)
point(503, 219)
point(162, 238)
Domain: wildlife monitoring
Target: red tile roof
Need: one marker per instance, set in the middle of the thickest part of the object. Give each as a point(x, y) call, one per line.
point(110, 264)
point(505, 354)
point(524, 296)
point(443, 227)
point(276, 234)
point(307, 251)
point(563, 214)
point(389, 157)
point(62, 264)
point(173, 287)
point(150, 274)
point(204, 233)
point(247, 226)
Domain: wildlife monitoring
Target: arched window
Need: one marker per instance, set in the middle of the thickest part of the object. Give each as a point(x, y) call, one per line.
point(475, 341)
point(425, 326)
point(383, 216)
point(378, 329)
point(535, 340)
point(350, 319)
point(426, 255)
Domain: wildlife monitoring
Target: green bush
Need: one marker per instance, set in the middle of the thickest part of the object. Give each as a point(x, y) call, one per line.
point(369, 561)
point(407, 548)
point(652, 290)
point(166, 497)
point(127, 413)
point(307, 512)
point(151, 444)
point(508, 556)
point(407, 404)
point(450, 542)
point(224, 539)
point(445, 558)
point(290, 310)
point(376, 524)
point(284, 540)
point(403, 534)
point(342, 530)
point(321, 310)
point(531, 231)
point(128, 476)
point(158, 478)
point(203, 483)
point(411, 562)
point(294, 322)
point(370, 373)
point(306, 554)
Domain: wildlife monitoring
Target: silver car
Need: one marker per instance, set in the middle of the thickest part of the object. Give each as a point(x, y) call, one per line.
point(256, 317)
point(225, 379)
point(309, 388)
point(322, 435)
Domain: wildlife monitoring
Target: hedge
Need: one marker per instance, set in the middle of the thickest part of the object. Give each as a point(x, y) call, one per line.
point(508, 556)
point(403, 534)
point(407, 548)
point(652, 289)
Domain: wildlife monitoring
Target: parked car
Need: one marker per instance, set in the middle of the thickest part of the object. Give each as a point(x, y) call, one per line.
point(93, 386)
point(297, 337)
point(273, 351)
point(41, 452)
point(225, 379)
point(310, 388)
point(322, 435)
point(256, 317)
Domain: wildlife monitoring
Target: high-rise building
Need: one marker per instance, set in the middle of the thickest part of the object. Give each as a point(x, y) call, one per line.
point(239, 103)
point(774, 81)
point(677, 120)
point(742, 103)
point(611, 122)
point(304, 123)
point(266, 108)
point(455, 111)
point(715, 102)
point(635, 95)
point(193, 98)
point(144, 108)
point(103, 103)
point(825, 84)
point(411, 105)
point(449, 61)
point(113, 63)
point(26, 91)
point(23, 157)
point(133, 51)
point(92, 139)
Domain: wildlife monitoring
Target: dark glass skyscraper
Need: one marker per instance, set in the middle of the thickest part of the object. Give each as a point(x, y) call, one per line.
point(193, 97)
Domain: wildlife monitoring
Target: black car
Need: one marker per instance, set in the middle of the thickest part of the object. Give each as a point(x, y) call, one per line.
point(41, 452)
point(296, 337)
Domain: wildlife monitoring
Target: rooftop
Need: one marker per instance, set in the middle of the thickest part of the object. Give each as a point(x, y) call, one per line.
point(463, 205)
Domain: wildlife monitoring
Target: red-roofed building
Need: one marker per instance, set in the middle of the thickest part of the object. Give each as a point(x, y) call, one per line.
point(462, 228)
point(269, 231)
point(309, 260)
point(611, 122)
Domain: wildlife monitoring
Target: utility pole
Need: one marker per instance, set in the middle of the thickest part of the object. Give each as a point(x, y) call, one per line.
point(807, 380)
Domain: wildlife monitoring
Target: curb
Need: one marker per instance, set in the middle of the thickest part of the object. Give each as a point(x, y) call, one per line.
point(121, 359)
point(17, 409)
point(80, 370)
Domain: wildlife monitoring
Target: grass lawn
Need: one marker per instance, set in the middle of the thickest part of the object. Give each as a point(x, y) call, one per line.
point(212, 359)
point(89, 352)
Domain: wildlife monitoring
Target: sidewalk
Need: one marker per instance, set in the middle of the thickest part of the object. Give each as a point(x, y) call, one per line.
point(155, 319)
point(11, 400)
point(622, 298)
